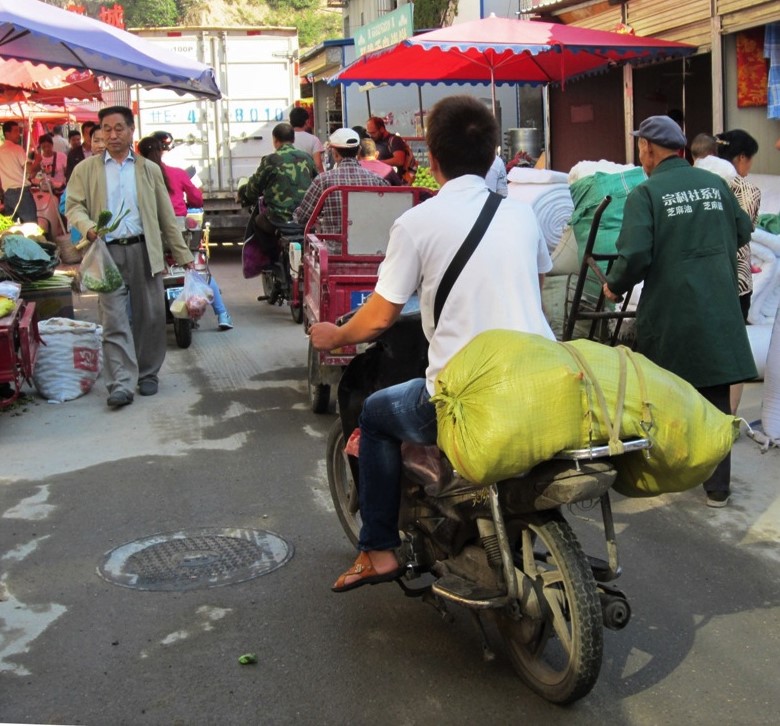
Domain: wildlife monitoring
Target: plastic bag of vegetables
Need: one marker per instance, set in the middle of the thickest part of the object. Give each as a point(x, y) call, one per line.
point(98, 272)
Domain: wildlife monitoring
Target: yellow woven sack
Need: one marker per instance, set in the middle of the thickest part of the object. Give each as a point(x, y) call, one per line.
point(506, 402)
point(690, 436)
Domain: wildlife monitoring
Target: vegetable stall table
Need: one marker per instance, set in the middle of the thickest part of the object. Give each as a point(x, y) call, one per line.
point(19, 341)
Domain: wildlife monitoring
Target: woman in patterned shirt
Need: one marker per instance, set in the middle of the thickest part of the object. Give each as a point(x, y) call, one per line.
point(739, 147)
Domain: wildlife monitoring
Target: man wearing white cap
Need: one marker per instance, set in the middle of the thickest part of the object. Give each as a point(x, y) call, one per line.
point(348, 172)
point(680, 234)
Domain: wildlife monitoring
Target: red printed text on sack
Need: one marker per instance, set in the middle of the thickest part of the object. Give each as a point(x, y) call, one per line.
point(86, 359)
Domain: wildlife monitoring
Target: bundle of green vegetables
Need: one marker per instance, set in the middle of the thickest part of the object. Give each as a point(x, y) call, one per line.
point(25, 255)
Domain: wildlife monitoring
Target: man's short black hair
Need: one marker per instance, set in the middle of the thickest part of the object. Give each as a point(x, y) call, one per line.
point(284, 132)
point(9, 126)
point(462, 134)
point(123, 110)
point(45, 139)
point(73, 133)
point(86, 126)
point(298, 117)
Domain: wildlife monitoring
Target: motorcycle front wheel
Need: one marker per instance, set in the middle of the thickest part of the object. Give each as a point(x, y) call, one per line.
point(555, 640)
point(182, 329)
point(343, 491)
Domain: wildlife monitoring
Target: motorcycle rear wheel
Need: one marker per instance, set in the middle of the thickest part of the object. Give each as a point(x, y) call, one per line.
point(558, 649)
point(343, 491)
point(270, 288)
point(182, 329)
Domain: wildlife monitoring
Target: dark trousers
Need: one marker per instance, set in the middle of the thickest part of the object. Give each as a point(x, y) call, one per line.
point(720, 480)
point(27, 211)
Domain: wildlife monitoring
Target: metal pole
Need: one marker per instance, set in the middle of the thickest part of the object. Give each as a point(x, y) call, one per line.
point(422, 114)
point(546, 110)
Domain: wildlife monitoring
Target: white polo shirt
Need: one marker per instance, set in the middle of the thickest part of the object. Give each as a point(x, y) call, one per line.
point(499, 286)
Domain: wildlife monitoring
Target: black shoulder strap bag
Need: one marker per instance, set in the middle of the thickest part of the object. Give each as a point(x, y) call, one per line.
point(463, 255)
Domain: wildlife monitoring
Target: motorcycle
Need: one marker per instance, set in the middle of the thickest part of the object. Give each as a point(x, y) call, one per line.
point(196, 237)
point(280, 278)
point(504, 550)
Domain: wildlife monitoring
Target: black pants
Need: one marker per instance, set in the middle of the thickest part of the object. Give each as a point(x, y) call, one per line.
point(264, 233)
point(720, 480)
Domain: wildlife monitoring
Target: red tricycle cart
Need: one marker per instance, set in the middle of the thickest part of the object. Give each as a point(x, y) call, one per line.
point(340, 269)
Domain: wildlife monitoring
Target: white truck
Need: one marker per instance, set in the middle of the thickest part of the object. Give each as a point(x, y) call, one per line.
point(224, 140)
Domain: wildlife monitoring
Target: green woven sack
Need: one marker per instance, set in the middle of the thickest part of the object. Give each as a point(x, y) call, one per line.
point(588, 193)
point(506, 402)
point(689, 435)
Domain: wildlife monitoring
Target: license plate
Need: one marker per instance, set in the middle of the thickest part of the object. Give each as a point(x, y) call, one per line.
point(171, 293)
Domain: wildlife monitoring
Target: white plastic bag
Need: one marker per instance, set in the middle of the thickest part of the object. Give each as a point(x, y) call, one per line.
point(69, 363)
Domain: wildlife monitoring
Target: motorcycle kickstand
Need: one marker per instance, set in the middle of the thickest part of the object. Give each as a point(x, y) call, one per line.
point(488, 654)
point(438, 604)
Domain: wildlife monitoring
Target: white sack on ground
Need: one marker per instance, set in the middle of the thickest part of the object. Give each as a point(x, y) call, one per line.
point(764, 282)
point(565, 256)
point(759, 337)
point(770, 407)
point(69, 362)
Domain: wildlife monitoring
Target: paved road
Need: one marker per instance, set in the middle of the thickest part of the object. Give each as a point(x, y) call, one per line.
point(229, 442)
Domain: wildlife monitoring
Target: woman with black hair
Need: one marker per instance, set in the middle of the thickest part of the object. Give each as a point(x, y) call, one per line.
point(183, 194)
point(739, 147)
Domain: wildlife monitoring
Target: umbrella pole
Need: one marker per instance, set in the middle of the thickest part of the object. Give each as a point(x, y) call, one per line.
point(493, 90)
point(368, 103)
point(422, 115)
point(546, 111)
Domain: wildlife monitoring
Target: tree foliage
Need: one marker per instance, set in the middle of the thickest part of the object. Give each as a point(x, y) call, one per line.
point(315, 23)
point(150, 13)
point(429, 14)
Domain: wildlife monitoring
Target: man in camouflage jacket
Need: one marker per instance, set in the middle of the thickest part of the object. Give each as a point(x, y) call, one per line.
point(281, 179)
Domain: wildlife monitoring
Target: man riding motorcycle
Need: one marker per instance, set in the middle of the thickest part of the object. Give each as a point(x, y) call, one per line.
point(282, 180)
point(507, 267)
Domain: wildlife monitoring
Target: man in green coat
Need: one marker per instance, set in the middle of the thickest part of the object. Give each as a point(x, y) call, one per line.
point(281, 179)
point(680, 234)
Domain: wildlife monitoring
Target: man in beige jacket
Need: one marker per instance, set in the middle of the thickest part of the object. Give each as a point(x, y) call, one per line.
point(133, 317)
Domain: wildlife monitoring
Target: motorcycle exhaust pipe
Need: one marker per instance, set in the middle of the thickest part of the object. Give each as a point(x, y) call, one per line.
point(615, 608)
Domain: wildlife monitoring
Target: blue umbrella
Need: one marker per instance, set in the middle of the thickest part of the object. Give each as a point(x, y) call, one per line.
point(34, 31)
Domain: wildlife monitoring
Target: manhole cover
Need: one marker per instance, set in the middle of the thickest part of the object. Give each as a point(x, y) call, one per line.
point(194, 559)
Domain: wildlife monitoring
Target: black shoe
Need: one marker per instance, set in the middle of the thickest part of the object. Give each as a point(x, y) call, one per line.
point(147, 387)
point(718, 499)
point(119, 398)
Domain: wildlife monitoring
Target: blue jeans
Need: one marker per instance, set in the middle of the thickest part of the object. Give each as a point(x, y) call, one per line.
point(216, 304)
point(390, 416)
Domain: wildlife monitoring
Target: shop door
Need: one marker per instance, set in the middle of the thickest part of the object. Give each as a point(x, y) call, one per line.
point(683, 86)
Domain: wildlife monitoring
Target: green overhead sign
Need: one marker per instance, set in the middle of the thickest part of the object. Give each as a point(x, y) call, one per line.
point(385, 31)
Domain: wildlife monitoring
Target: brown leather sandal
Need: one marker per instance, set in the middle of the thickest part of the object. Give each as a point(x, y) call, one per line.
point(367, 575)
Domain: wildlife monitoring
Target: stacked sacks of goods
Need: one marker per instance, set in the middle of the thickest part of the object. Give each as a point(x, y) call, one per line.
point(508, 401)
point(589, 182)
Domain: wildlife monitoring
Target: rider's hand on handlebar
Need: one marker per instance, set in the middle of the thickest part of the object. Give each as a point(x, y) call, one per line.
point(325, 336)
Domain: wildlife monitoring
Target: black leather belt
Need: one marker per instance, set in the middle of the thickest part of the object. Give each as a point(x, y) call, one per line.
point(128, 240)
